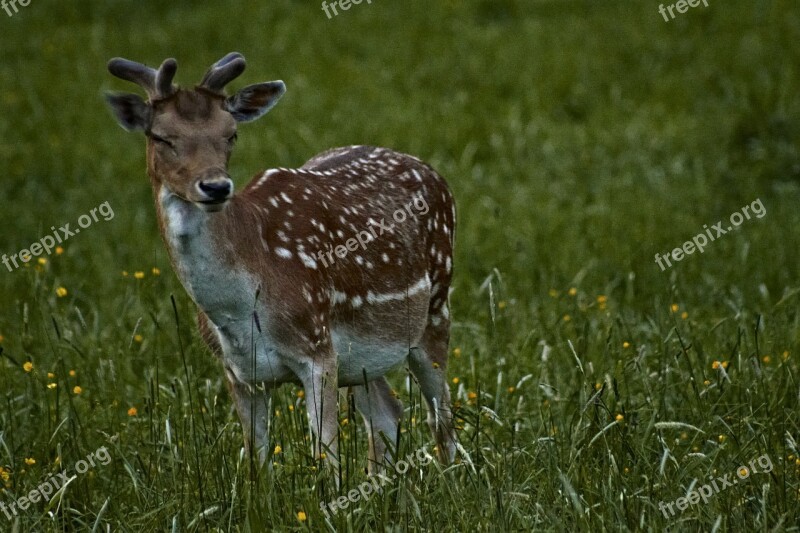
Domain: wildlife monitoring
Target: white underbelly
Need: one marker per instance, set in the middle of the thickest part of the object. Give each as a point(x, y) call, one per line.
point(359, 355)
point(260, 361)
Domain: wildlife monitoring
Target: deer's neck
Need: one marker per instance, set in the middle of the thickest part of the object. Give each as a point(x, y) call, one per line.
point(201, 246)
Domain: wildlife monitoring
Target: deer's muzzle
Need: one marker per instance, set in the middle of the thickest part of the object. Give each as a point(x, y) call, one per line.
point(214, 189)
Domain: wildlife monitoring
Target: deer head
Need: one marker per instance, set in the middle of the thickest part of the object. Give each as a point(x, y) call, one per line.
point(190, 133)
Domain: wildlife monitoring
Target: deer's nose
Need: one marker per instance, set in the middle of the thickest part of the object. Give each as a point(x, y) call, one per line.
point(216, 189)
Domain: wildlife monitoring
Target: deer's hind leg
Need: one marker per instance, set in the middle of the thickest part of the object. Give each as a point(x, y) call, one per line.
point(428, 364)
point(382, 413)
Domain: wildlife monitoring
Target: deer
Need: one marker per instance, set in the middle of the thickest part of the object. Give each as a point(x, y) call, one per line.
point(277, 302)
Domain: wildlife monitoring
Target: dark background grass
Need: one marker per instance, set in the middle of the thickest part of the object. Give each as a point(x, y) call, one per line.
point(580, 138)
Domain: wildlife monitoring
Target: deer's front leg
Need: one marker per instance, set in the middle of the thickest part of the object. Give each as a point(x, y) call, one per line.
point(321, 385)
point(253, 407)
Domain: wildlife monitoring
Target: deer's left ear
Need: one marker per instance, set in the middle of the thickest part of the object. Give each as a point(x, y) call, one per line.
point(254, 101)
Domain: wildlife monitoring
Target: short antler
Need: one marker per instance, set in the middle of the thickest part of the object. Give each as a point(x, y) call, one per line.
point(157, 83)
point(223, 72)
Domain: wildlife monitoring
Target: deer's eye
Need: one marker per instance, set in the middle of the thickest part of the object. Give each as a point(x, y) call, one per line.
point(161, 140)
point(232, 138)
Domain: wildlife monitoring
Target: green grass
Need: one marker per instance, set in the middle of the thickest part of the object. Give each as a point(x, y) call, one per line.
point(580, 139)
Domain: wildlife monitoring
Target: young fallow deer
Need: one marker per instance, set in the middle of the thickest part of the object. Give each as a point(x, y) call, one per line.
point(270, 305)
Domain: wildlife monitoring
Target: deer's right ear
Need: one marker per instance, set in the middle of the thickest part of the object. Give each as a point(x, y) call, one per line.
point(131, 111)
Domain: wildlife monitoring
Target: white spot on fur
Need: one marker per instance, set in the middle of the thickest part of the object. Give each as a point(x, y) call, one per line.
point(423, 284)
point(307, 260)
point(283, 252)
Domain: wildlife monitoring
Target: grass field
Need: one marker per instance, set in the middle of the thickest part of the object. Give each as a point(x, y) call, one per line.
point(580, 138)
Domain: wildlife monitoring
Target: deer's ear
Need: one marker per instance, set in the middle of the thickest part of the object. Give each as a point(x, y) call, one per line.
point(131, 111)
point(254, 101)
